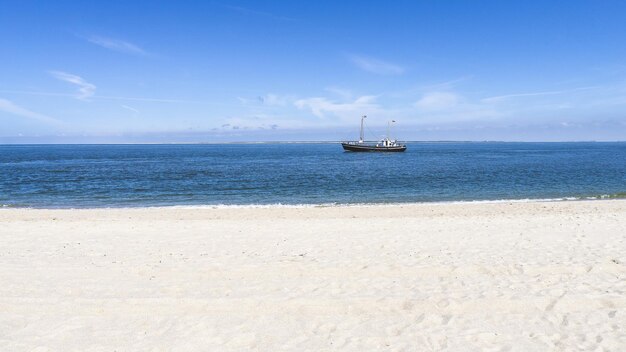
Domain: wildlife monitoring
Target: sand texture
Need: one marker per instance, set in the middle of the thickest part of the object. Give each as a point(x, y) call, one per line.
point(533, 276)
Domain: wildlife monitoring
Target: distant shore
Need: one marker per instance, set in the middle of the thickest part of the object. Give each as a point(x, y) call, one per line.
point(525, 275)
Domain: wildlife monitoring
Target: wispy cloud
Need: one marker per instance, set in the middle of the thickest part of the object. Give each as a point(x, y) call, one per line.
point(108, 97)
point(444, 107)
point(438, 101)
point(340, 92)
point(519, 95)
point(24, 92)
point(10, 108)
point(85, 89)
point(450, 84)
point(534, 94)
point(267, 100)
point(130, 108)
point(156, 100)
point(376, 66)
point(116, 45)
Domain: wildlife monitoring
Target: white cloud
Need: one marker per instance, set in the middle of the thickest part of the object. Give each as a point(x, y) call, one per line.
point(10, 108)
point(438, 101)
point(321, 107)
point(85, 89)
point(116, 45)
point(376, 66)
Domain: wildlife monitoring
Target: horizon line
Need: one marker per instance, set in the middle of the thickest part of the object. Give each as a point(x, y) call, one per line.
point(305, 142)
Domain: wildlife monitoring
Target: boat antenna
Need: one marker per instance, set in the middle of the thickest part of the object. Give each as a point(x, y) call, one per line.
point(361, 135)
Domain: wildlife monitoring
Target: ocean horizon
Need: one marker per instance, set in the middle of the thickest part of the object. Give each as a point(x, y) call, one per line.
point(288, 174)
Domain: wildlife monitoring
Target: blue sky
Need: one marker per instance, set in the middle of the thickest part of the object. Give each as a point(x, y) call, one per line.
point(122, 71)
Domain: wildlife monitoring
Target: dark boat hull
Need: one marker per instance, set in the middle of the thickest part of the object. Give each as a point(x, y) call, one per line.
point(371, 148)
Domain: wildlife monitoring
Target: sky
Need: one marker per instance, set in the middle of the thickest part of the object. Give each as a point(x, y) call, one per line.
point(215, 71)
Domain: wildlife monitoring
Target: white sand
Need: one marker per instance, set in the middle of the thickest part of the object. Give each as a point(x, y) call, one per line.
point(465, 277)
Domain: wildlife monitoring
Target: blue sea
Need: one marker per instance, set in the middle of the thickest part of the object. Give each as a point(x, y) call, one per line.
point(79, 176)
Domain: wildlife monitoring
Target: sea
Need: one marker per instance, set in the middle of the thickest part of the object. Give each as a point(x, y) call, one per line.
point(310, 174)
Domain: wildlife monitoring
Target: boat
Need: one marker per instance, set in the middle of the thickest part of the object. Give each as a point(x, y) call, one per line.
point(385, 145)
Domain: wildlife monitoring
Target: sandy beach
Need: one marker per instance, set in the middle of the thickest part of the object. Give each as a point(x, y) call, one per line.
point(531, 276)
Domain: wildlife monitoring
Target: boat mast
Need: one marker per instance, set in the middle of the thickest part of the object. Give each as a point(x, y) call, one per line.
point(389, 127)
point(361, 135)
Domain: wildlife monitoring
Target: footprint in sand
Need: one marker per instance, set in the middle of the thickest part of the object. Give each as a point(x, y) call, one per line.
point(446, 319)
point(408, 305)
point(443, 303)
point(565, 321)
point(550, 306)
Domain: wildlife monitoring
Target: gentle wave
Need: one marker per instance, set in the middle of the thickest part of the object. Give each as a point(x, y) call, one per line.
point(387, 204)
point(611, 196)
point(619, 196)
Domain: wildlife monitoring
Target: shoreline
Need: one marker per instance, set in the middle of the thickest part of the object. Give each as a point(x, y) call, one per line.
point(619, 197)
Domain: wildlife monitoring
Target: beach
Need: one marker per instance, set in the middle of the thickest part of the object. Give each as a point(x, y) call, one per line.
point(491, 276)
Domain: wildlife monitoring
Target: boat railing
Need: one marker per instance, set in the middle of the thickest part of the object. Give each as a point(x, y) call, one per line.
point(393, 144)
point(355, 142)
